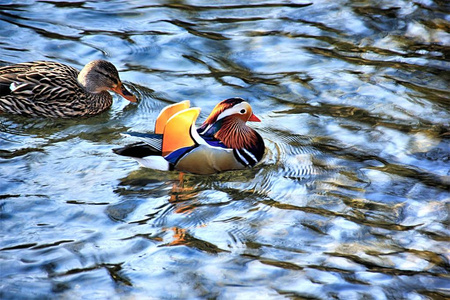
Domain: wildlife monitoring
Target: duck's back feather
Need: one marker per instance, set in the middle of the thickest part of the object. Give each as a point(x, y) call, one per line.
point(137, 150)
point(151, 145)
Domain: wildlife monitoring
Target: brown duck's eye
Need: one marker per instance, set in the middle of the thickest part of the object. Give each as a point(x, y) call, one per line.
point(243, 111)
point(109, 77)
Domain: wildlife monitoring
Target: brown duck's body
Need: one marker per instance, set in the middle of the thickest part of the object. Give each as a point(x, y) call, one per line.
point(55, 90)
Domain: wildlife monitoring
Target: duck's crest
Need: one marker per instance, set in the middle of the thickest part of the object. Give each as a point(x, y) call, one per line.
point(219, 108)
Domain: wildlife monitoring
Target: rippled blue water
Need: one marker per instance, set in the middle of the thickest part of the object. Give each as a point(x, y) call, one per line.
point(350, 202)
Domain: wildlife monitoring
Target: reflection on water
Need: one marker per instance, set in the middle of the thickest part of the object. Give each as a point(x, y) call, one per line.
point(350, 202)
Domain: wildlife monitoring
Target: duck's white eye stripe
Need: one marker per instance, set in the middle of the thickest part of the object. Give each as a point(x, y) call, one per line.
point(237, 109)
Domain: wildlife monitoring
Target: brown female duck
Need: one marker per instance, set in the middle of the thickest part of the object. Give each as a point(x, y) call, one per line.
point(54, 90)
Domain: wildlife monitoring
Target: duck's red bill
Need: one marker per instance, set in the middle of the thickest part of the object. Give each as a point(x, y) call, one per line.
point(254, 118)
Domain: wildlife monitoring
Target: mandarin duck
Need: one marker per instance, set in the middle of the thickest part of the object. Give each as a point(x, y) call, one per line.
point(223, 142)
point(54, 90)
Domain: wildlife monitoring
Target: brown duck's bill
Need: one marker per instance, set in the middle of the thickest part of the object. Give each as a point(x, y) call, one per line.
point(121, 90)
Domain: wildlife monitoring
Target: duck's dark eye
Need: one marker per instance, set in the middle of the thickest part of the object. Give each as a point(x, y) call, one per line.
point(243, 111)
point(115, 80)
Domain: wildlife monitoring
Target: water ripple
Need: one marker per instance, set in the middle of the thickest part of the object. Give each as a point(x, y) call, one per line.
point(351, 198)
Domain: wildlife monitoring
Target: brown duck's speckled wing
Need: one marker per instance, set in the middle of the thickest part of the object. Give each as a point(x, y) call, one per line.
point(42, 88)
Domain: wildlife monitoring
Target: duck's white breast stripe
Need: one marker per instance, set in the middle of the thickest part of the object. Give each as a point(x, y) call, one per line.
point(206, 129)
point(250, 155)
point(241, 157)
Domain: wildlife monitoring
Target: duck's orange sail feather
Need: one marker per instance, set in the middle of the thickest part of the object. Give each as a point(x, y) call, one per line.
point(177, 132)
point(167, 113)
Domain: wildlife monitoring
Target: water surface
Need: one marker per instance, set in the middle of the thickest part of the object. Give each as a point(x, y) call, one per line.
point(350, 202)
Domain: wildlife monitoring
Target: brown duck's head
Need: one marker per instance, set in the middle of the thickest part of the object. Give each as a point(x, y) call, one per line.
point(100, 75)
point(236, 107)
